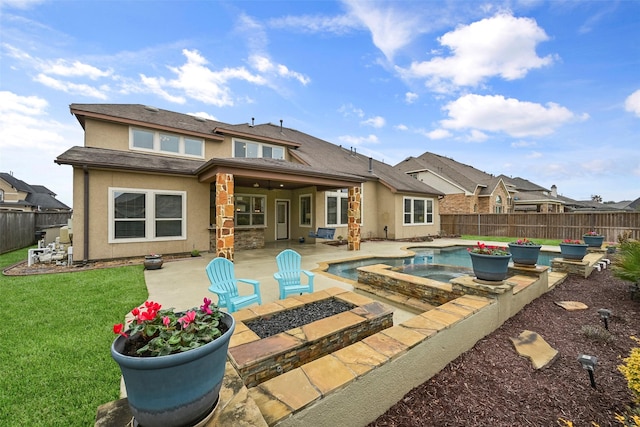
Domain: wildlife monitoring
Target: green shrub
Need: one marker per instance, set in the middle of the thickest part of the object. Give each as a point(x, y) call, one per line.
point(626, 264)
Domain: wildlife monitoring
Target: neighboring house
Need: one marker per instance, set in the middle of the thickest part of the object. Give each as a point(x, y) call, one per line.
point(17, 195)
point(530, 197)
point(466, 189)
point(154, 181)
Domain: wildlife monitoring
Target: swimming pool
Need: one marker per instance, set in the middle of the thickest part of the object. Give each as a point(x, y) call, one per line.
point(418, 265)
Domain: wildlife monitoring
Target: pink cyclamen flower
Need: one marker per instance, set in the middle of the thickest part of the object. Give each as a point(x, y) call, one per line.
point(166, 321)
point(189, 317)
point(205, 307)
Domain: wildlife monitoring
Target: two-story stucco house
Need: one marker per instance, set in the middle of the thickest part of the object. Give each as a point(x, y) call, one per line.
point(466, 189)
point(148, 180)
point(17, 195)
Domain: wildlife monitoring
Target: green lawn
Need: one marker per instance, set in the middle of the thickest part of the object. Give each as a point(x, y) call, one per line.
point(55, 364)
point(550, 242)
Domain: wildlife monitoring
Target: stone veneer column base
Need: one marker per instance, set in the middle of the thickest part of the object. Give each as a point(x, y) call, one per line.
point(224, 216)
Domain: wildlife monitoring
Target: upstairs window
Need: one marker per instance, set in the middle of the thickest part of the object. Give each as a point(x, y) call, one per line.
point(1, 195)
point(249, 149)
point(162, 142)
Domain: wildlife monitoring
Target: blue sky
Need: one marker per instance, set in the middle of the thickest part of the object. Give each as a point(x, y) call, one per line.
point(547, 91)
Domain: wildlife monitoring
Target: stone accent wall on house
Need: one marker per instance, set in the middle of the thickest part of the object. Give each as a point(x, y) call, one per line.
point(353, 237)
point(224, 216)
point(252, 238)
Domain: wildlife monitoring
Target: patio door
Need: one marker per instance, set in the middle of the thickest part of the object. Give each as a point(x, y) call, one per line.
point(282, 219)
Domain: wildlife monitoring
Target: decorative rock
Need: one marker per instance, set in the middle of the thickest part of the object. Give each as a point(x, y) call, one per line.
point(531, 345)
point(572, 305)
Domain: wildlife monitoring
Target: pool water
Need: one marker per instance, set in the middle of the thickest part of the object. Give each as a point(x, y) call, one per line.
point(457, 258)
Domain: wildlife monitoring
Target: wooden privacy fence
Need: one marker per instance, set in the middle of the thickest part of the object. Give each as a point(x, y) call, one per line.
point(544, 225)
point(18, 229)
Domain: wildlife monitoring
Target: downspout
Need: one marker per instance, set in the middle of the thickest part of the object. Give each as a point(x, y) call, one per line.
point(86, 215)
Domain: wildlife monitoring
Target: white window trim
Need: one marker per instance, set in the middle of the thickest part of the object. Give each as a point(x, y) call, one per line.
point(310, 196)
point(426, 200)
point(260, 148)
point(156, 143)
point(266, 219)
point(339, 194)
point(149, 215)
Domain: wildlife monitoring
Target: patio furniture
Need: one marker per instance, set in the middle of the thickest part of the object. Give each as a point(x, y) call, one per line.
point(224, 284)
point(289, 275)
point(323, 233)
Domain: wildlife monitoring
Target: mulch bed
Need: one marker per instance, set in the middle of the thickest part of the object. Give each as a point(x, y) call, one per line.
point(491, 385)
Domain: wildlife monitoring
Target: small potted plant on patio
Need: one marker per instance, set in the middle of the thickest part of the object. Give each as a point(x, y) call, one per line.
point(173, 363)
point(524, 252)
point(593, 239)
point(153, 262)
point(490, 263)
point(573, 249)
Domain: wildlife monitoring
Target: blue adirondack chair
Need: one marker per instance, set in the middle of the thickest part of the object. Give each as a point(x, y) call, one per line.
point(224, 284)
point(289, 275)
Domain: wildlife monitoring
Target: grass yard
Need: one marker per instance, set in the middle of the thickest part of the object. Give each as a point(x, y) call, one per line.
point(54, 342)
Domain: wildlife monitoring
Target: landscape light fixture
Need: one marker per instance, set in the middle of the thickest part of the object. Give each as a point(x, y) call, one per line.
point(589, 363)
point(604, 315)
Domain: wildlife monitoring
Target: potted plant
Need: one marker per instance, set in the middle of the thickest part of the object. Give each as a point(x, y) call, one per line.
point(153, 262)
point(490, 263)
point(524, 251)
point(593, 239)
point(573, 249)
point(173, 363)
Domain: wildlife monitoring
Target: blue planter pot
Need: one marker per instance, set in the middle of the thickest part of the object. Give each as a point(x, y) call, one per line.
point(573, 251)
point(493, 268)
point(593, 241)
point(175, 390)
point(524, 254)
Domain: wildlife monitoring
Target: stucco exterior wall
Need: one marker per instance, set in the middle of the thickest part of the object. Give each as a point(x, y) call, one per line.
point(404, 231)
point(197, 214)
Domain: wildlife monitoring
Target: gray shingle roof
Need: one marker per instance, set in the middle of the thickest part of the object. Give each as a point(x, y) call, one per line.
point(317, 154)
point(37, 195)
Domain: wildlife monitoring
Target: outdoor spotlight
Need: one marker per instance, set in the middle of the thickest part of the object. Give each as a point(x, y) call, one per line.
point(604, 315)
point(589, 363)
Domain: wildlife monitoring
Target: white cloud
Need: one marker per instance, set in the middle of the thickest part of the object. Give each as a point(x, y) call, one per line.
point(24, 124)
point(199, 82)
point(534, 155)
point(511, 116)
point(340, 24)
point(410, 97)
point(263, 64)
point(359, 140)
point(499, 46)
point(477, 136)
point(437, 134)
point(522, 144)
point(401, 127)
point(63, 68)
point(632, 103)
point(376, 122)
point(203, 115)
point(391, 29)
point(348, 110)
point(73, 88)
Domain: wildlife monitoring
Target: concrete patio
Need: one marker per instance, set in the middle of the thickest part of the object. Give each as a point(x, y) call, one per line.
point(338, 380)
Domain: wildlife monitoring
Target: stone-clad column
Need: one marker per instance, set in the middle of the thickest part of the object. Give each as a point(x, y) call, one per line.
point(224, 216)
point(354, 218)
